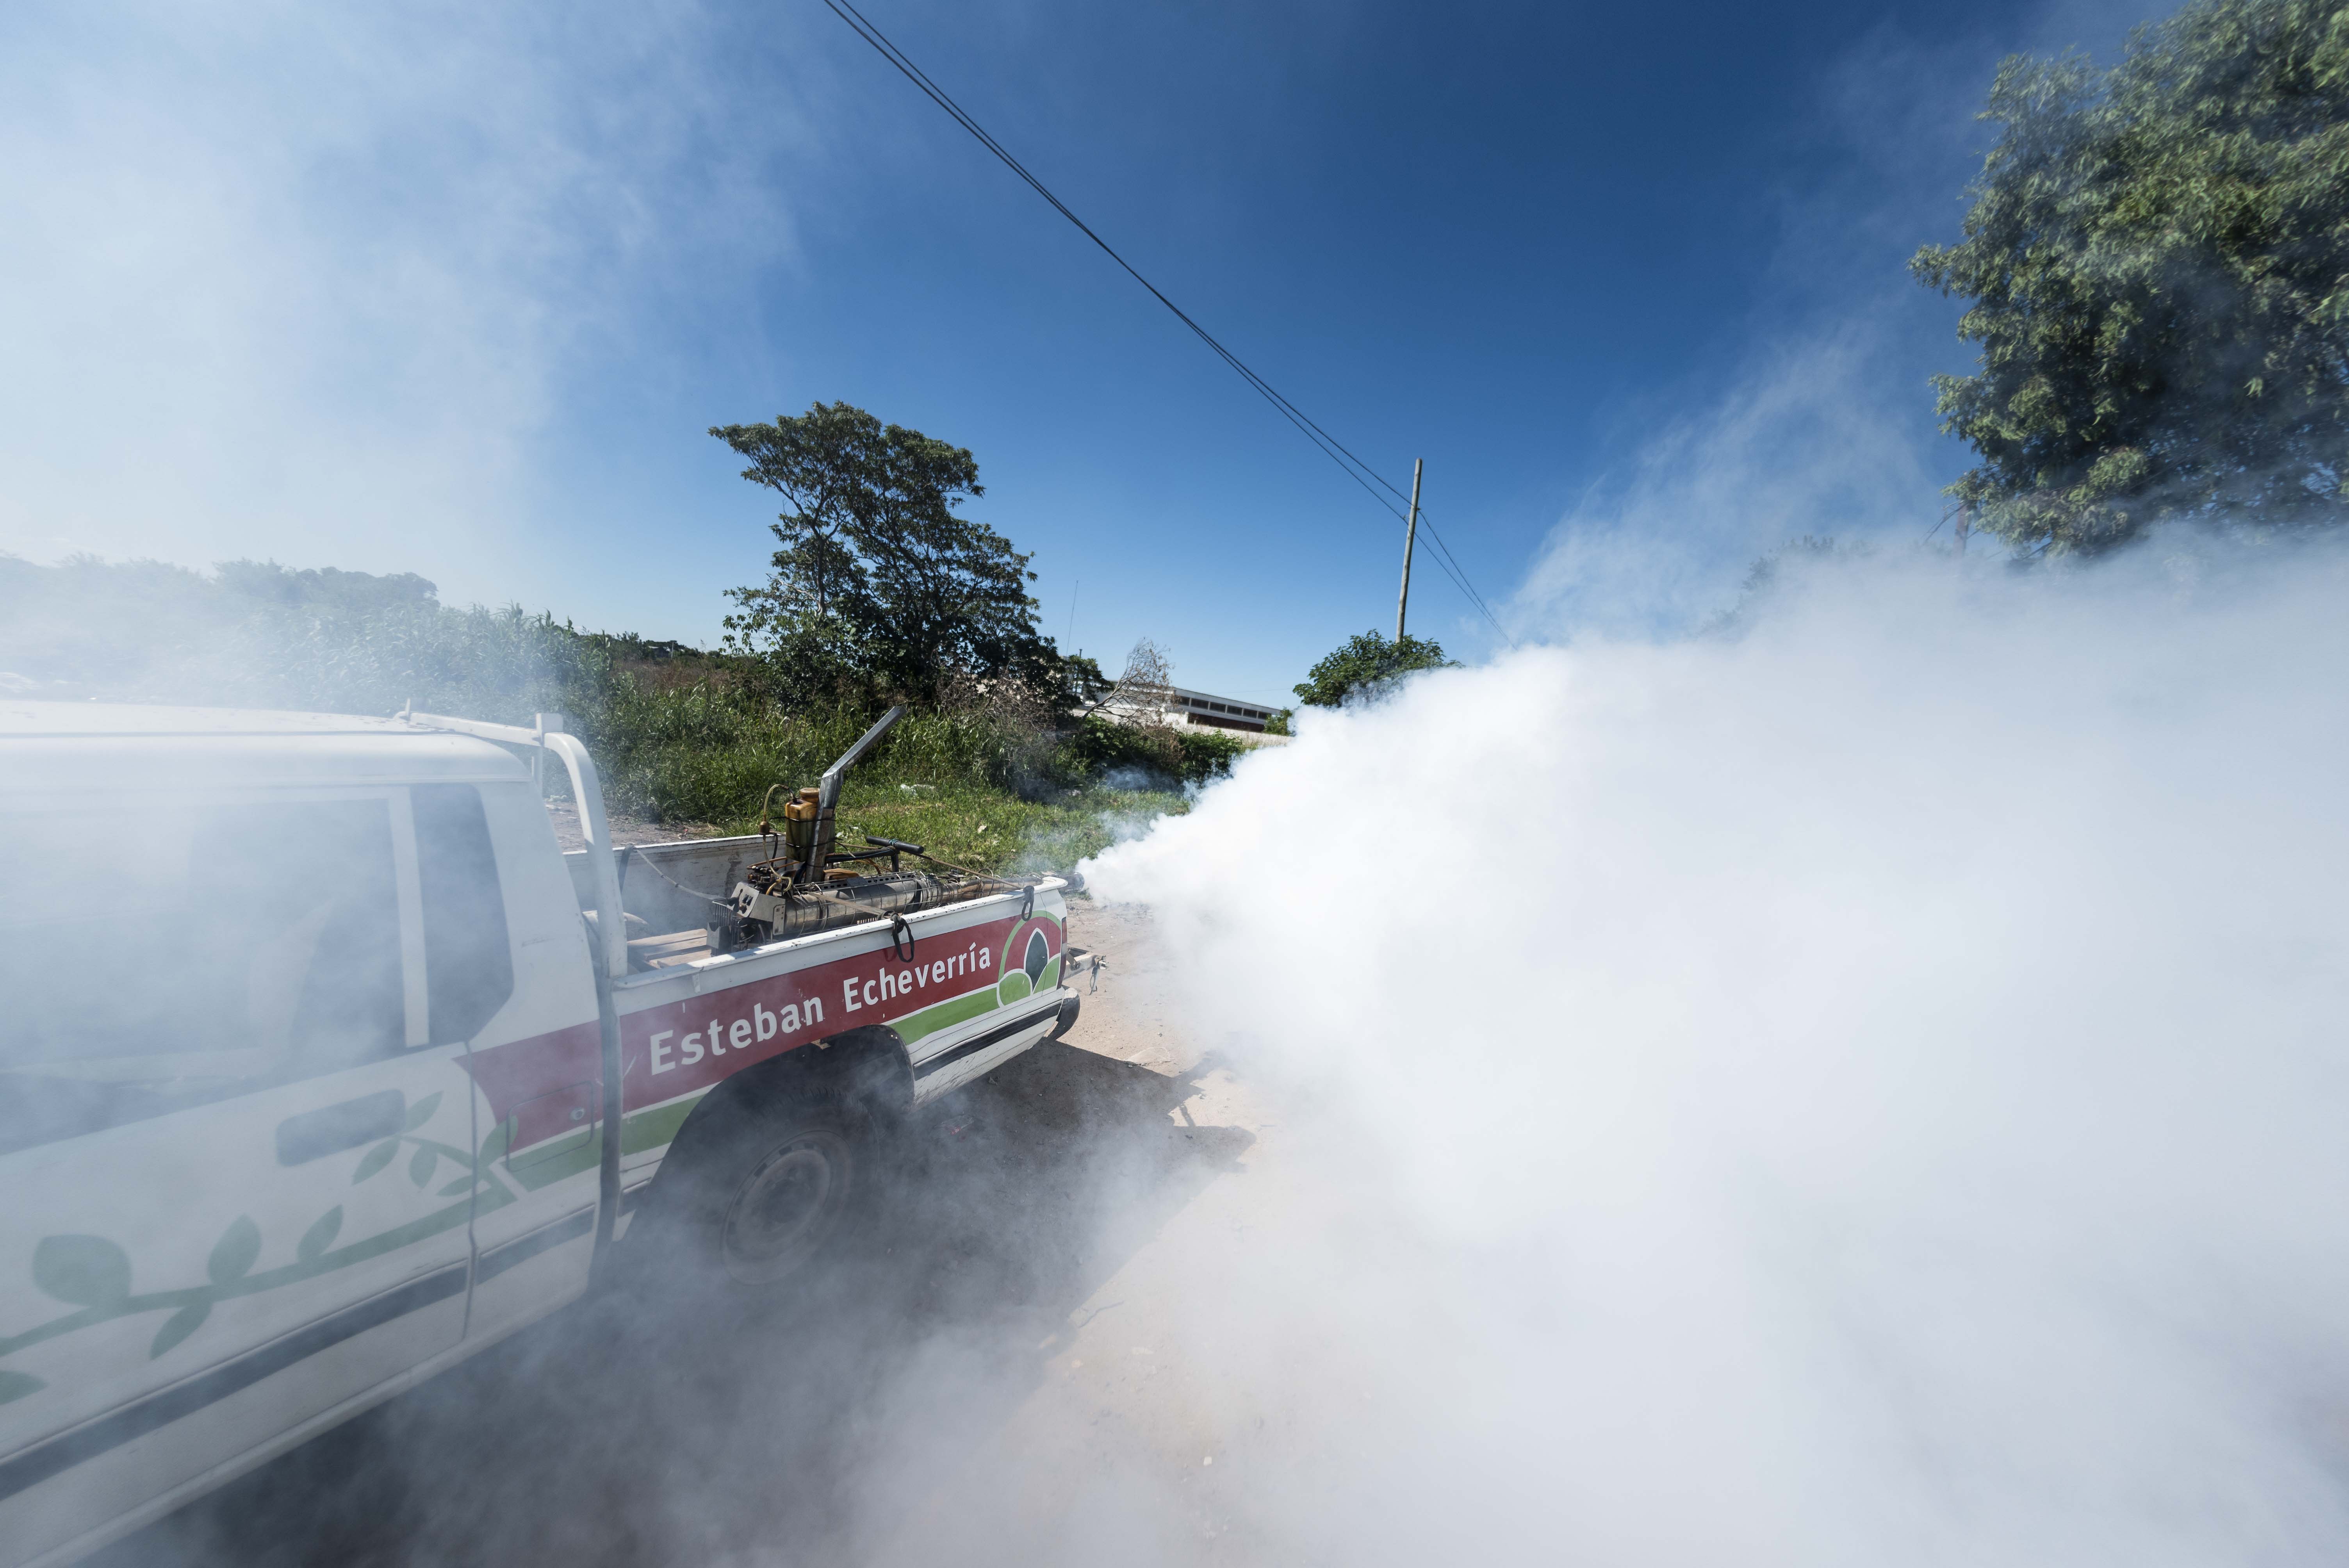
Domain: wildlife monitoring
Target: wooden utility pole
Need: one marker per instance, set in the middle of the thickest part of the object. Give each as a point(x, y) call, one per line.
point(1410, 538)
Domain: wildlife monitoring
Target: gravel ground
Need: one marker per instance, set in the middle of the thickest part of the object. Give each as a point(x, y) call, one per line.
point(983, 1370)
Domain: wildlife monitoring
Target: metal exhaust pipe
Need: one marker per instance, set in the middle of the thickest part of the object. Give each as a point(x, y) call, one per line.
point(828, 791)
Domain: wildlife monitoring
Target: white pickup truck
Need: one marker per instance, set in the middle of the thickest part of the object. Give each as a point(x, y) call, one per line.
point(322, 1067)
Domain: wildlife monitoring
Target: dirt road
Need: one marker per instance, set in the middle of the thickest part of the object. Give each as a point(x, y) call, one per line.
point(984, 1371)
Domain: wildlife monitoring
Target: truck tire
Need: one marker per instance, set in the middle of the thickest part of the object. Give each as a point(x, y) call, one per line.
point(764, 1186)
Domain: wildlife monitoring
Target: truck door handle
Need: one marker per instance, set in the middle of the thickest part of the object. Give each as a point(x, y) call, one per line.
point(331, 1128)
point(541, 1125)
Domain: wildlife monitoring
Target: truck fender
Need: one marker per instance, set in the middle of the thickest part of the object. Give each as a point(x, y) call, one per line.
point(872, 1066)
point(868, 1066)
point(840, 1101)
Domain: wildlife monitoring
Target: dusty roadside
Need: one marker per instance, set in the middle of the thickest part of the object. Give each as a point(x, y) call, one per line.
point(1129, 1013)
point(1117, 1442)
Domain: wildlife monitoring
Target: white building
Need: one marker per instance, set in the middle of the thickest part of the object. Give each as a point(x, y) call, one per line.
point(1179, 706)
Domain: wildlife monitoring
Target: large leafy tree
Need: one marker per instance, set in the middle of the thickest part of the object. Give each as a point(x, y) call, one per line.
point(2158, 261)
point(1367, 665)
point(877, 578)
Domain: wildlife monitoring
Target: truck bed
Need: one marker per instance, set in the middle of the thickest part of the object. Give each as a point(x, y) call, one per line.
point(658, 882)
point(964, 985)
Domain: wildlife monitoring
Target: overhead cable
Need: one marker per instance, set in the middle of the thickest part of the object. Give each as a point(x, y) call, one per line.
point(1361, 472)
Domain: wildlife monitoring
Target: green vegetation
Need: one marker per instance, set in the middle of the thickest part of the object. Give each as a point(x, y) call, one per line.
point(880, 585)
point(2158, 258)
point(685, 737)
point(1366, 666)
point(974, 787)
point(879, 593)
point(996, 830)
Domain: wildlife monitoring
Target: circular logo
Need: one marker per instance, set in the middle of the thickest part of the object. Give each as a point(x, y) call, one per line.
point(1028, 963)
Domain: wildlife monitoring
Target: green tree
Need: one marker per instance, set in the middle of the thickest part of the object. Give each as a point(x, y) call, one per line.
point(822, 464)
point(1086, 686)
point(326, 588)
point(2158, 261)
point(878, 579)
point(1367, 665)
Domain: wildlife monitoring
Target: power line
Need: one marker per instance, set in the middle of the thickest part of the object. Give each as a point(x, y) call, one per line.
point(1361, 472)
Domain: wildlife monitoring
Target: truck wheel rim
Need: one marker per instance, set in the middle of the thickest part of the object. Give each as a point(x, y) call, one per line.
point(784, 1210)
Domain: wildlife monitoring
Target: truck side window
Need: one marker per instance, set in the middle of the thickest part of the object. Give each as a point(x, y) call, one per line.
point(304, 904)
point(191, 957)
point(467, 966)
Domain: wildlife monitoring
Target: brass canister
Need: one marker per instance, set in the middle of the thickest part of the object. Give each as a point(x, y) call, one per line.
point(799, 824)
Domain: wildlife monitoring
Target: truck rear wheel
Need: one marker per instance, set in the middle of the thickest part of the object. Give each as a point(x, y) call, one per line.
point(787, 1205)
point(760, 1192)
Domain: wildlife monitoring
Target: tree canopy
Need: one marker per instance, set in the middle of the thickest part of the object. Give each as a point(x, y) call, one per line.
point(2158, 261)
point(878, 579)
point(1366, 664)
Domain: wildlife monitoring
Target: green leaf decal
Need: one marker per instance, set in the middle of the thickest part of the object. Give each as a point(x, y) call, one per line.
point(422, 1111)
point(460, 1184)
point(499, 1137)
point(234, 1255)
point(88, 1271)
point(377, 1159)
point(16, 1385)
point(420, 1169)
point(319, 1236)
point(178, 1326)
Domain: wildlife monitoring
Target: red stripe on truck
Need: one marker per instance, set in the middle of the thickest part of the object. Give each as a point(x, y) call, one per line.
point(679, 1047)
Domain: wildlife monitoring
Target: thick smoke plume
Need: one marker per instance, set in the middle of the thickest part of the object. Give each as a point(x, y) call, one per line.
point(1867, 1091)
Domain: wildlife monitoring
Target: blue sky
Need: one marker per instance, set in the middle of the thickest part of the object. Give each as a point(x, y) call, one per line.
point(456, 290)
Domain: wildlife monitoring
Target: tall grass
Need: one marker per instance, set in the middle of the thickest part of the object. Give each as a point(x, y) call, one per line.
point(708, 753)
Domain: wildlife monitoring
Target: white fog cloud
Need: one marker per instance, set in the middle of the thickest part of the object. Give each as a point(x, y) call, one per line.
point(309, 280)
point(1868, 1092)
point(1812, 441)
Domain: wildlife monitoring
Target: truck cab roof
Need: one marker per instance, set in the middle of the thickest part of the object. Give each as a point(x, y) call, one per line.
point(117, 746)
